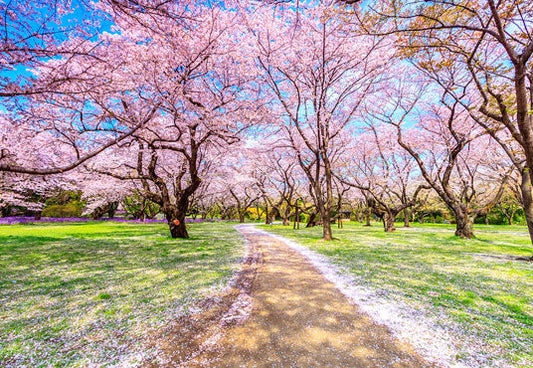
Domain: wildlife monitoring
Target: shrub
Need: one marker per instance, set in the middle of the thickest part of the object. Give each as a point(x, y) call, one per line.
point(72, 209)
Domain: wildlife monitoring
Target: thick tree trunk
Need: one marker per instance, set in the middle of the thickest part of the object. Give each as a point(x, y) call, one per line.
point(112, 209)
point(327, 234)
point(286, 221)
point(524, 122)
point(178, 230)
point(4, 211)
point(241, 217)
point(388, 222)
point(406, 215)
point(487, 219)
point(527, 200)
point(176, 224)
point(464, 226)
point(311, 221)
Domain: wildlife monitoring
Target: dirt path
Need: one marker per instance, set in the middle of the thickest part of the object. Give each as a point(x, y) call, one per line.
point(300, 319)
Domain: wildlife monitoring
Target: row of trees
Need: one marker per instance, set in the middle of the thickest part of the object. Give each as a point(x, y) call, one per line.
point(299, 106)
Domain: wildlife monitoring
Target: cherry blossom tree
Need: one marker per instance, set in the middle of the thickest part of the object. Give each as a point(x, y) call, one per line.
point(482, 46)
point(319, 72)
point(203, 97)
point(59, 64)
point(448, 147)
point(384, 172)
point(30, 191)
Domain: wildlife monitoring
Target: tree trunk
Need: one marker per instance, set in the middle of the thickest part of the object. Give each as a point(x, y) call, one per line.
point(367, 218)
point(5, 211)
point(311, 222)
point(177, 228)
point(527, 200)
point(268, 217)
point(286, 221)
point(511, 217)
point(406, 215)
point(327, 234)
point(176, 223)
point(388, 222)
point(112, 209)
point(487, 219)
point(524, 120)
point(241, 217)
point(464, 226)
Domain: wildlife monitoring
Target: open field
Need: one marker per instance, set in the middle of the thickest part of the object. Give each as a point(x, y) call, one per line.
point(473, 289)
point(86, 293)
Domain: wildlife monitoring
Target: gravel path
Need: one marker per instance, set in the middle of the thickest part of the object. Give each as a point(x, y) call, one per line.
point(299, 319)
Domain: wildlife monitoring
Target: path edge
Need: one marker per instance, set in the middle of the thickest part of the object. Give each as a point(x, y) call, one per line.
point(432, 342)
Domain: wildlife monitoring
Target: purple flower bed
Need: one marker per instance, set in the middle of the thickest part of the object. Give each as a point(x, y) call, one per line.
point(25, 220)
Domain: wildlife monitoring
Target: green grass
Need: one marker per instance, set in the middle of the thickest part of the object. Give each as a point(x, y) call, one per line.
point(86, 293)
point(471, 287)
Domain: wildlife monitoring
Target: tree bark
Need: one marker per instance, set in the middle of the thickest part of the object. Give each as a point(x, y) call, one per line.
point(527, 199)
point(176, 223)
point(177, 227)
point(327, 234)
point(267, 214)
point(112, 209)
point(311, 221)
point(367, 219)
point(406, 214)
point(464, 226)
point(4, 211)
point(388, 222)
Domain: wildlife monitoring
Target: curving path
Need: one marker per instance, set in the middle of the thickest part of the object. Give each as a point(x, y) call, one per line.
point(300, 319)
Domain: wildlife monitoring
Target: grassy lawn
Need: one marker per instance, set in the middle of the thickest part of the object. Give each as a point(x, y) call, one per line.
point(470, 287)
point(81, 294)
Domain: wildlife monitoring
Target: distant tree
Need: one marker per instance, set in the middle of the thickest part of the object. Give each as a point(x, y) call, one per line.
point(318, 72)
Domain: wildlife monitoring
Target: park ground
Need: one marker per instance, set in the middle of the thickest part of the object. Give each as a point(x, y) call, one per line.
point(75, 294)
point(473, 290)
